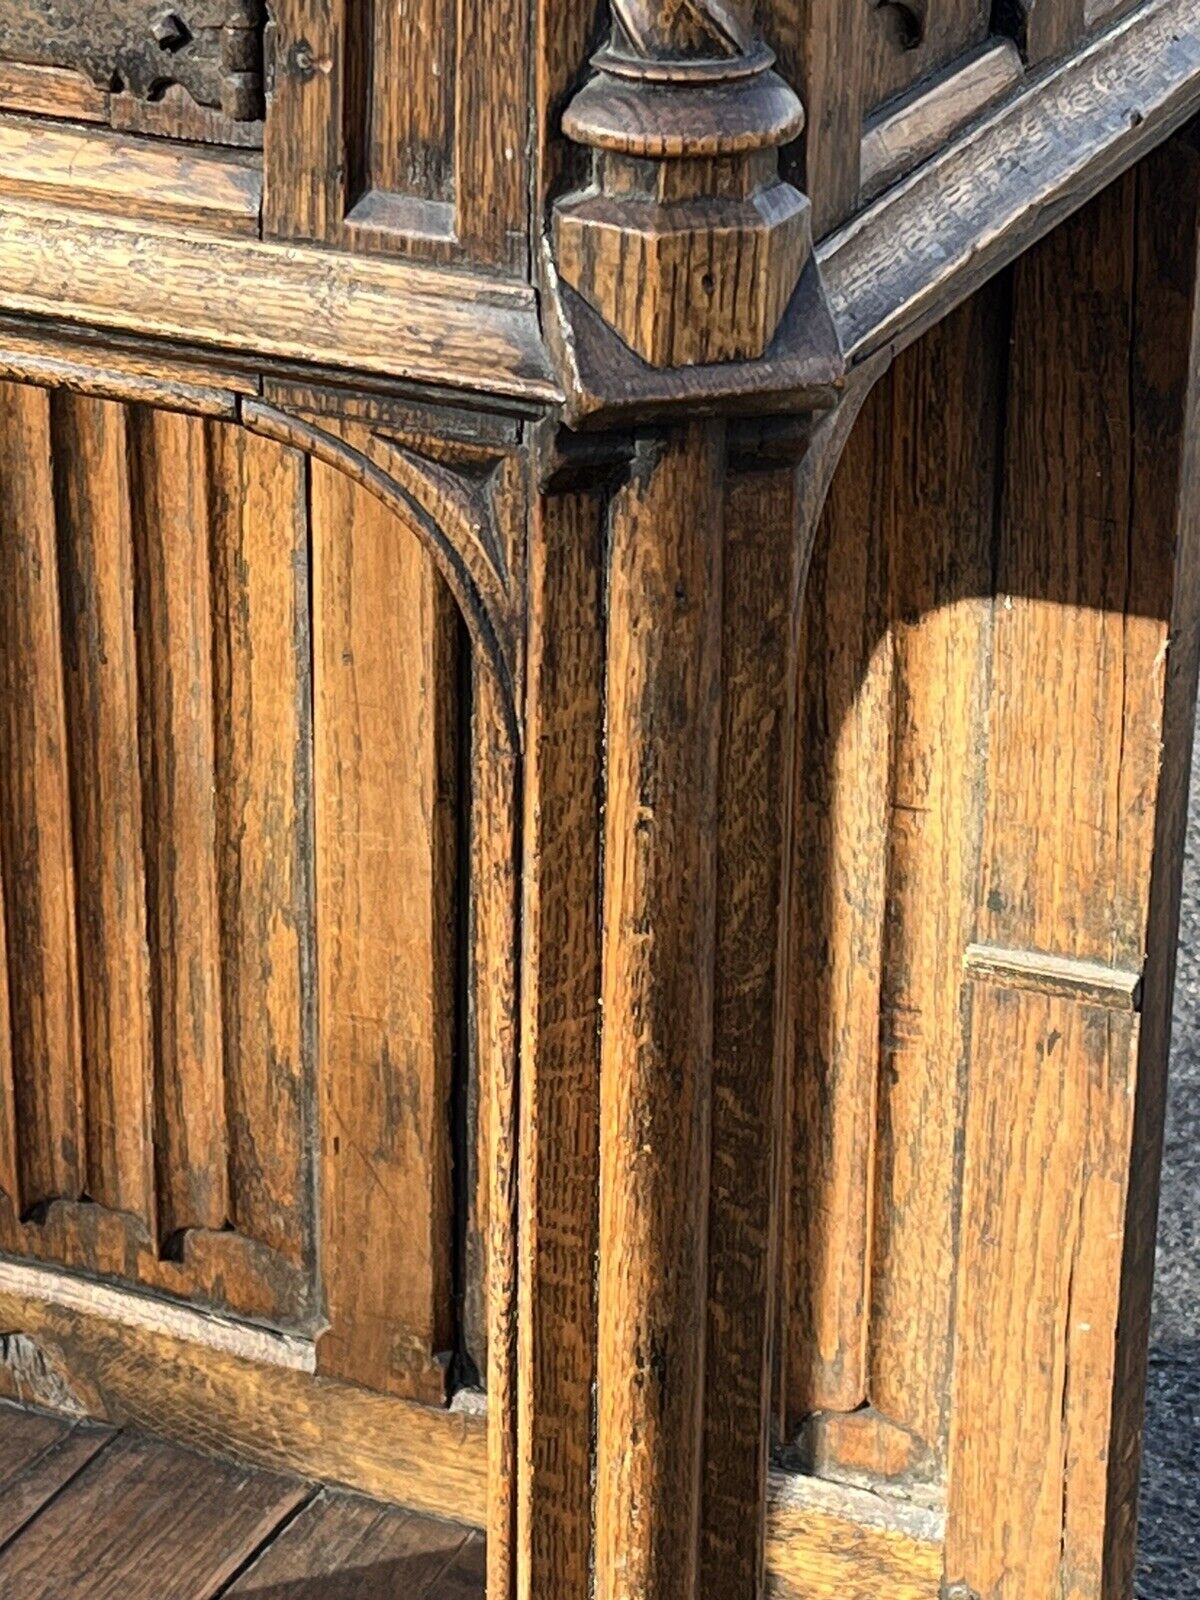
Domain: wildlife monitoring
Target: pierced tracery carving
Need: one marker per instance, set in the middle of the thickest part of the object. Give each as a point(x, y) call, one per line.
point(213, 49)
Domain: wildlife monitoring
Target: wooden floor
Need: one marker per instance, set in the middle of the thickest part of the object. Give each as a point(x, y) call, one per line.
point(92, 1511)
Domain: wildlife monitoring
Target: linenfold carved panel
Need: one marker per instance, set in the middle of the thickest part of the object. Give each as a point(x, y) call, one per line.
point(212, 49)
point(230, 706)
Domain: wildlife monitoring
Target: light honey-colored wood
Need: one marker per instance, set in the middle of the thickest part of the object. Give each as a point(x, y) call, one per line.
point(385, 805)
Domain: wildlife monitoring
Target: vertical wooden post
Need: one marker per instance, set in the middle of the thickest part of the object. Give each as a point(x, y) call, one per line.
point(659, 918)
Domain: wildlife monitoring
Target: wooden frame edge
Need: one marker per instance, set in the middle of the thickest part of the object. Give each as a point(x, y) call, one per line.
point(927, 243)
point(286, 1420)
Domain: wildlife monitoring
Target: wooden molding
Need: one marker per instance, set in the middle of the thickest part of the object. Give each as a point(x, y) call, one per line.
point(930, 241)
point(262, 299)
point(897, 138)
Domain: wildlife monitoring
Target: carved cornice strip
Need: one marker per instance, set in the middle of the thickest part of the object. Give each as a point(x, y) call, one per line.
point(930, 241)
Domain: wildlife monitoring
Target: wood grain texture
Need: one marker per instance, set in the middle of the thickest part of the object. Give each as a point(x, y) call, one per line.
point(262, 688)
point(46, 1472)
point(765, 557)
point(304, 144)
point(1166, 464)
point(51, 92)
point(828, 1543)
point(1072, 127)
point(1068, 864)
point(842, 784)
point(341, 1547)
point(35, 816)
point(899, 137)
point(385, 773)
point(946, 432)
point(663, 730)
point(560, 1127)
point(207, 1517)
point(1046, 1168)
point(95, 550)
point(112, 172)
point(169, 475)
point(413, 62)
point(494, 830)
point(432, 1461)
point(274, 301)
point(401, 133)
point(10, 1181)
point(24, 1436)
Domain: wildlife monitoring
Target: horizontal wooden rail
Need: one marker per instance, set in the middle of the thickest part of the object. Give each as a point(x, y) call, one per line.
point(930, 241)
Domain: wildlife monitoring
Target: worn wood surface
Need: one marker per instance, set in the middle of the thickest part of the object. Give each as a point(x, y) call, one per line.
point(219, 1516)
point(186, 1387)
point(560, 1130)
point(662, 732)
point(385, 774)
point(975, 197)
point(86, 1510)
point(357, 1550)
point(116, 174)
point(35, 822)
point(94, 518)
point(767, 540)
point(401, 134)
point(1073, 850)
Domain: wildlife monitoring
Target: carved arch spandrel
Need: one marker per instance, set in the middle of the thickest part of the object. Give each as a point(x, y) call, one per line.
point(454, 519)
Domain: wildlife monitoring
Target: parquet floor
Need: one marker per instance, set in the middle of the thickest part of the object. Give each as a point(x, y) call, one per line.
point(111, 1514)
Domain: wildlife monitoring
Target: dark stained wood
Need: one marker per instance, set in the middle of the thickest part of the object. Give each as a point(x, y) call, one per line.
point(161, 1520)
point(413, 63)
point(765, 553)
point(928, 243)
point(448, 942)
point(213, 48)
point(341, 1547)
point(663, 733)
point(465, 1576)
point(46, 1472)
point(145, 1518)
point(24, 1436)
point(242, 1392)
point(560, 1132)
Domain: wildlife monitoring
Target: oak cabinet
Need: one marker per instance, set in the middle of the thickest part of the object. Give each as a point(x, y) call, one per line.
point(597, 654)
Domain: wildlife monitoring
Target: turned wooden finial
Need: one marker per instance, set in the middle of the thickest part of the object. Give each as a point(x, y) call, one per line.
point(688, 243)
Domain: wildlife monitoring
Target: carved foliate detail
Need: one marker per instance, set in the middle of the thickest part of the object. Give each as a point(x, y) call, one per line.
point(213, 49)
